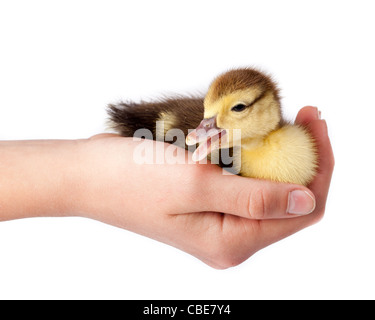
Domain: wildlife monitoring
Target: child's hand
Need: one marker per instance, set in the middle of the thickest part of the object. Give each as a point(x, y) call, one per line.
point(220, 219)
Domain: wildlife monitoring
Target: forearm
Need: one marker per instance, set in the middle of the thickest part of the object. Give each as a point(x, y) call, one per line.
point(35, 177)
point(88, 177)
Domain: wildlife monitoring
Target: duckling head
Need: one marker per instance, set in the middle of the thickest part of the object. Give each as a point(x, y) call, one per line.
point(242, 99)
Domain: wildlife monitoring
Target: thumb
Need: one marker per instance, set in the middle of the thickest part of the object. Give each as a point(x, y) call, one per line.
point(256, 199)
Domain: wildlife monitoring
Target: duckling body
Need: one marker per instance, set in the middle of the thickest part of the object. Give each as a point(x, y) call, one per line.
point(285, 155)
point(245, 100)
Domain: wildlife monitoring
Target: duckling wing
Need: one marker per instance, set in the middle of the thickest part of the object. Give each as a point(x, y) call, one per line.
point(181, 113)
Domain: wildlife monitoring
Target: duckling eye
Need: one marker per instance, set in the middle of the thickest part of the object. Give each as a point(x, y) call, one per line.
point(238, 107)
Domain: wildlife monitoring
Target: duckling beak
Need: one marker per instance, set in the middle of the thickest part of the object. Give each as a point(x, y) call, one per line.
point(209, 137)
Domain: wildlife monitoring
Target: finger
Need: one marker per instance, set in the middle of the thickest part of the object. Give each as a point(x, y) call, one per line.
point(256, 199)
point(307, 114)
point(310, 117)
point(271, 231)
point(320, 184)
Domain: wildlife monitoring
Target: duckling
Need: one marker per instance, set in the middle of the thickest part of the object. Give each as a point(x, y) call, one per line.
point(180, 112)
point(270, 147)
point(241, 112)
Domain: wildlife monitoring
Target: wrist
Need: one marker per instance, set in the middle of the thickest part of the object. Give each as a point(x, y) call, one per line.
point(37, 177)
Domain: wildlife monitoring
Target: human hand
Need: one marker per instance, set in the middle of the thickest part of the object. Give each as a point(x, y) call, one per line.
point(218, 218)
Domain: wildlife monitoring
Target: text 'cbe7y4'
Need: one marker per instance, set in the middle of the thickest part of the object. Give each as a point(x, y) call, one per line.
point(191, 309)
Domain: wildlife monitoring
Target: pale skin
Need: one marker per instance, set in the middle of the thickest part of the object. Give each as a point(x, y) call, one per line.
point(220, 219)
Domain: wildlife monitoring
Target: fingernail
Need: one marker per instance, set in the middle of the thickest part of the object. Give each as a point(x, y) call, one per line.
point(318, 113)
point(300, 202)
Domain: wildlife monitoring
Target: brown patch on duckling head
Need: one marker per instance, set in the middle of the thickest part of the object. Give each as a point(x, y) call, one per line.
point(241, 106)
point(244, 99)
point(238, 80)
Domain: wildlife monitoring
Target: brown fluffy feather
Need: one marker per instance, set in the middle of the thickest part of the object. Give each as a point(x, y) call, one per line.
point(127, 117)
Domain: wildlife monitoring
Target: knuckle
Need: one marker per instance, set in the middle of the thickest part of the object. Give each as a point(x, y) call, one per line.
point(257, 207)
point(228, 249)
point(225, 257)
point(216, 255)
point(318, 215)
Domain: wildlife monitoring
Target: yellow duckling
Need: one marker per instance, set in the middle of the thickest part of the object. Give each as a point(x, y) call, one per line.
point(270, 148)
point(241, 110)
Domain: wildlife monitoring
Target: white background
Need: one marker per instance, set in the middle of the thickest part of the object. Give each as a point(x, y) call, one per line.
point(61, 62)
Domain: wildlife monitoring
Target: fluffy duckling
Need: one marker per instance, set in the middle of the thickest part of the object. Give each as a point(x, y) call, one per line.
point(240, 111)
point(270, 147)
